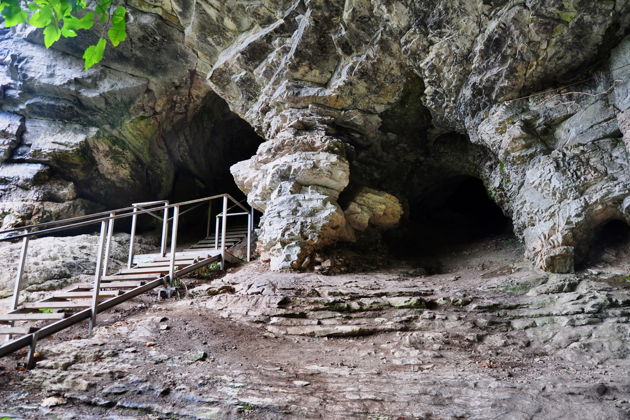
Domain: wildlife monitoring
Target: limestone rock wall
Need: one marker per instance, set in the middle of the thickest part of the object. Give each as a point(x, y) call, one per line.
point(379, 96)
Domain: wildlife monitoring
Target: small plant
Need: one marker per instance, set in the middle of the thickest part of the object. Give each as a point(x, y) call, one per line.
point(46, 311)
point(245, 406)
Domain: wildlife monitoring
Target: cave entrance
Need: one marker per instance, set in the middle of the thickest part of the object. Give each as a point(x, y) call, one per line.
point(453, 212)
point(609, 245)
point(203, 148)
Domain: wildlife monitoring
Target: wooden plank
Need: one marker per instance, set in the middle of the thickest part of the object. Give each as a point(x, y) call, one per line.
point(57, 305)
point(148, 270)
point(122, 277)
point(17, 330)
point(85, 295)
point(180, 263)
point(122, 284)
point(37, 316)
point(186, 254)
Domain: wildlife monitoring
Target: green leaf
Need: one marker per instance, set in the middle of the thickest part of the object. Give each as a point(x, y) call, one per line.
point(101, 9)
point(118, 32)
point(13, 13)
point(67, 33)
point(41, 18)
point(86, 22)
point(52, 33)
point(94, 53)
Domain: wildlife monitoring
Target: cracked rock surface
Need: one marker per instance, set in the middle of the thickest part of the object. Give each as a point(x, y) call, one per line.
point(487, 337)
point(393, 97)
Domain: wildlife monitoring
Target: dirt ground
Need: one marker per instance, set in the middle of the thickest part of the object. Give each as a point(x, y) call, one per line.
point(482, 337)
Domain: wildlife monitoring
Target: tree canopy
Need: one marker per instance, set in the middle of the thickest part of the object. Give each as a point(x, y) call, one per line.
point(64, 18)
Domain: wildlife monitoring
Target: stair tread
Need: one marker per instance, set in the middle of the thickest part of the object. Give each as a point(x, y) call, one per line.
point(121, 277)
point(84, 294)
point(56, 305)
point(41, 316)
point(17, 330)
point(165, 264)
point(147, 270)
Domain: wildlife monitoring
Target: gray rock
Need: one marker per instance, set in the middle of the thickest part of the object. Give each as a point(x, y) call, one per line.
point(383, 95)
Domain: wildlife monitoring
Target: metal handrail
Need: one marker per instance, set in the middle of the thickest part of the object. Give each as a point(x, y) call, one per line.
point(106, 232)
point(57, 222)
point(115, 217)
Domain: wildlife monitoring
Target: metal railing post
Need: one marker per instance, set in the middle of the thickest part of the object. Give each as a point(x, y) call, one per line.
point(223, 231)
point(110, 233)
point(97, 275)
point(20, 274)
point(164, 230)
point(217, 224)
point(173, 244)
point(132, 235)
point(209, 226)
point(250, 226)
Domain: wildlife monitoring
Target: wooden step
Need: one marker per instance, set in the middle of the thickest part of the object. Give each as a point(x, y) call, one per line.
point(235, 236)
point(202, 246)
point(181, 263)
point(123, 277)
point(56, 305)
point(17, 330)
point(85, 295)
point(122, 284)
point(37, 316)
point(108, 285)
point(197, 255)
point(148, 270)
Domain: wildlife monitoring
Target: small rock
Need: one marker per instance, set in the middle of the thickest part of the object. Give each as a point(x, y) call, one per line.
point(301, 383)
point(150, 344)
point(115, 389)
point(53, 401)
point(164, 327)
point(102, 402)
point(197, 356)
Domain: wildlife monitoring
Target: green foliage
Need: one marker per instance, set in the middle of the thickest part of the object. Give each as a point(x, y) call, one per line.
point(46, 310)
point(64, 18)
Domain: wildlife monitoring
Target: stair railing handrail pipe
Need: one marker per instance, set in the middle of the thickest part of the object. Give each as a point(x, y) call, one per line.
point(109, 219)
point(116, 217)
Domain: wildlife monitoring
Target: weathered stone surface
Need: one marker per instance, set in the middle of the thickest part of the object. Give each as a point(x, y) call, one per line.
point(503, 341)
point(117, 133)
point(55, 262)
point(375, 208)
point(359, 94)
point(558, 181)
point(296, 225)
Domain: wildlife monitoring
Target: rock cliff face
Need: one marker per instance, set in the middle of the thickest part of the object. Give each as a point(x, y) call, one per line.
point(363, 105)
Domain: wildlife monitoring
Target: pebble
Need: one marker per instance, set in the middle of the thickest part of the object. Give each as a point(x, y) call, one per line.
point(53, 402)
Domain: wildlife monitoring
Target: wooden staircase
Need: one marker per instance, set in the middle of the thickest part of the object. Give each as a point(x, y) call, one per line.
point(31, 321)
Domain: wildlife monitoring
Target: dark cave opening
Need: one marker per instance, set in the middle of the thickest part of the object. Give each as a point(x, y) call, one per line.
point(608, 244)
point(453, 212)
point(203, 149)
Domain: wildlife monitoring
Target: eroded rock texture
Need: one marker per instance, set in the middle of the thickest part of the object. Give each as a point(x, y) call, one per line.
point(74, 141)
point(390, 97)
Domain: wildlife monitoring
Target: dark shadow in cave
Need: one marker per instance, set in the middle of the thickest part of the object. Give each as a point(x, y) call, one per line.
point(203, 149)
point(609, 244)
point(452, 213)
